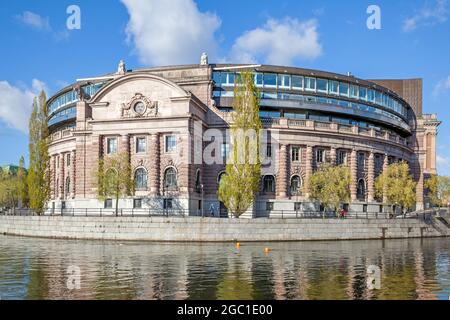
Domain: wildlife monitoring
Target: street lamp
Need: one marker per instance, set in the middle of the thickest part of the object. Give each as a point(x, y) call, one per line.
point(202, 204)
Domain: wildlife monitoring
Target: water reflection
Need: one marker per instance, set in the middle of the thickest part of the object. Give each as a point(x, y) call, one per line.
point(410, 269)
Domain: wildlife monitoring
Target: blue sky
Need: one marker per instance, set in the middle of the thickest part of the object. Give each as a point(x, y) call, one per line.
point(38, 51)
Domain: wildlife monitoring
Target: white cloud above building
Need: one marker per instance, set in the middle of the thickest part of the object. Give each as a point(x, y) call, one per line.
point(279, 42)
point(442, 86)
point(170, 32)
point(16, 103)
point(34, 20)
point(428, 15)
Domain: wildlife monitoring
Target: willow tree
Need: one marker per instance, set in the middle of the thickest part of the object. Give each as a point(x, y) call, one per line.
point(8, 189)
point(397, 186)
point(330, 186)
point(438, 190)
point(22, 187)
point(113, 178)
point(38, 177)
point(243, 171)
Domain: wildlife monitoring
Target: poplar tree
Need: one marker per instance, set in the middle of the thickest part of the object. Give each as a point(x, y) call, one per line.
point(22, 183)
point(38, 175)
point(397, 186)
point(330, 185)
point(243, 171)
point(114, 178)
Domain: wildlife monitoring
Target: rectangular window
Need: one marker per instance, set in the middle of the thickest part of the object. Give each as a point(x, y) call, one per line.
point(108, 203)
point(228, 79)
point(371, 96)
point(167, 204)
point(343, 89)
point(217, 78)
point(295, 154)
point(322, 85)
point(269, 151)
point(171, 144)
point(378, 97)
point(259, 80)
point(269, 206)
point(334, 87)
point(310, 84)
point(342, 158)
point(141, 145)
point(354, 92)
point(284, 81)
point(270, 80)
point(68, 160)
point(320, 155)
point(361, 159)
point(137, 203)
point(363, 93)
point(111, 145)
point(297, 82)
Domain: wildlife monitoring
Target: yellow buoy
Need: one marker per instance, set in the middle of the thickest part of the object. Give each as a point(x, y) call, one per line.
point(266, 250)
point(238, 245)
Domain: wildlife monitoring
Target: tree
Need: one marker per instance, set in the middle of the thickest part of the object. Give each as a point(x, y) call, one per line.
point(38, 175)
point(397, 186)
point(438, 190)
point(8, 189)
point(22, 183)
point(330, 185)
point(243, 171)
point(113, 178)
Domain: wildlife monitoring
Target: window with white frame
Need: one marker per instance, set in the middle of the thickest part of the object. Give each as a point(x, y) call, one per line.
point(342, 157)
point(111, 145)
point(171, 143)
point(320, 155)
point(295, 154)
point(141, 145)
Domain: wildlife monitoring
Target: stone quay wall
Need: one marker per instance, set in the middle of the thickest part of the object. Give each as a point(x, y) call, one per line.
point(193, 229)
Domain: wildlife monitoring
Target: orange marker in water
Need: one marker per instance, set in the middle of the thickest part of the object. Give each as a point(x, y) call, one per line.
point(238, 245)
point(266, 250)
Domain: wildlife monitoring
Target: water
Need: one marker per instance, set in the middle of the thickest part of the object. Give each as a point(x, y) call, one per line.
point(410, 269)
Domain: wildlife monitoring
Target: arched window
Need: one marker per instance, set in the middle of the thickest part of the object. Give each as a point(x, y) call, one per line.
point(140, 179)
point(198, 181)
point(296, 185)
point(361, 191)
point(67, 190)
point(170, 178)
point(269, 184)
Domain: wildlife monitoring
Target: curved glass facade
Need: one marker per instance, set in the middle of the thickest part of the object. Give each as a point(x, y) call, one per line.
point(62, 107)
point(318, 90)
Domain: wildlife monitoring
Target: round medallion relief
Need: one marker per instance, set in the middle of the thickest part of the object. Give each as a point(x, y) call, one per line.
point(139, 107)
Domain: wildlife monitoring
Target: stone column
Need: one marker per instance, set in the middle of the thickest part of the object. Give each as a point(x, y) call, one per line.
point(309, 168)
point(282, 175)
point(354, 175)
point(125, 145)
point(154, 170)
point(62, 183)
point(333, 156)
point(72, 174)
point(53, 177)
point(385, 166)
point(371, 178)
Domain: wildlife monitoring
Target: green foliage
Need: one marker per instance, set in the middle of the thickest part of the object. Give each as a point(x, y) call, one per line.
point(397, 186)
point(22, 183)
point(243, 171)
point(438, 190)
point(8, 189)
point(114, 178)
point(38, 177)
point(330, 185)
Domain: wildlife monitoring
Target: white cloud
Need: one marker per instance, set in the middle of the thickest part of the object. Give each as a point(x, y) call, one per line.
point(443, 161)
point(279, 42)
point(427, 16)
point(441, 86)
point(34, 20)
point(16, 103)
point(170, 32)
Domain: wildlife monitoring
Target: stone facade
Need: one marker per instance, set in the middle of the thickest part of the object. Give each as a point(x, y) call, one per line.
point(152, 115)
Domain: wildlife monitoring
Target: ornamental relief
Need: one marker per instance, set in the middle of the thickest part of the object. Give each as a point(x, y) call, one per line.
point(140, 107)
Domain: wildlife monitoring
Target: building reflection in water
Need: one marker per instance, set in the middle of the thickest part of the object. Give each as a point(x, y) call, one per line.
point(410, 269)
